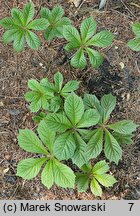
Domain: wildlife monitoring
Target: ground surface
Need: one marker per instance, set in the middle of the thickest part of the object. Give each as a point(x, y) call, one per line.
point(16, 69)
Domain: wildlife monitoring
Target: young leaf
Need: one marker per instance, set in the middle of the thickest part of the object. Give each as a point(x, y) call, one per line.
point(123, 138)
point(56, 13)
point(100, 168)
point(123, 127)
point(91, 102)
point(88, 28)
point(95, 144)
point(46, 135)
point(8, 23)
point(101, 39)
point(64, 146)
point(64, 176)
point(58, 79)
point(112, 149)
point(47, 175)
point(108, 103)
point(95, 188)
point(57, 122)
point(38, 24)
point(134, 44)
point(18, 16)
point(136, 28)
point(80, 156)
point(55, 104)
point(69, 87)
point(71, 34)
point(18, 44)
point(90, 117)
point(82, 181)
point(106, 180)
point(29, 168)
point(9, 35)
point(32, 39)
point(79, 60)
point(28, 12)
point(74, 108)
point(29, 141)
point(45, 12)
point(96, 59)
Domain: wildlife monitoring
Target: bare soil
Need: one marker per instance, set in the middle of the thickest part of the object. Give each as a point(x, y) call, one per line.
point(17, 68)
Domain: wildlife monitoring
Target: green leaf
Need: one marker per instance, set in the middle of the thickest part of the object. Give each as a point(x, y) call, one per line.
point(18, 44)
point(55, 104)
point(18, 16)
point(79, 60)
point(29, 141)
point(95, 144)
point(112, 150)
point(72, 45)
point(64, 176)
point(74, 108)
point(100, 168)
point(38, 24)
point(46, 135)
point(106, 180)
point(108, 103)
point(58, 79)
point(101, 39)
point(32, 39)
point(56, 13)
point(88, 28)
point(90, 117)
point(44, 12)
point(57, 122)
point(29, 168)
point(86, 168)
point(47, 175)
point(96, 59)
point(123, 138)
point(95, 188)
point(82, 181)
point(134, 44)
point(69, 87)
point(123, 127)
point(136, 28)
point(28, 12)
point(9, 35)
point(64, 146)
point(80, 156)
point(91, 102)
point(8, 23)
point(71, 34)
point(62, 22)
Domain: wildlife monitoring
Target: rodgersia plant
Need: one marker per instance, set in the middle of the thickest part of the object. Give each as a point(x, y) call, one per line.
point(84, 42)
point(78, 131)
point(134, 44)
point(56, 22)
point(20, 27)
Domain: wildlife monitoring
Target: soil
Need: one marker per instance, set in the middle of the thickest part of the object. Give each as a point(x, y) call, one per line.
point(124, 82)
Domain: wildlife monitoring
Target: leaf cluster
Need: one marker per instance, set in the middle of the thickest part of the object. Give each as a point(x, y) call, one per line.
point(134, 44)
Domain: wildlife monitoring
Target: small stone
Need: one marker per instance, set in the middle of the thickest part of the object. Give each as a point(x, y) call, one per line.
point(8, 157)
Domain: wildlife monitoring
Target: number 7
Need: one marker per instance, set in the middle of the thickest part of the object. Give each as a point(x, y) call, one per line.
point(131, 205)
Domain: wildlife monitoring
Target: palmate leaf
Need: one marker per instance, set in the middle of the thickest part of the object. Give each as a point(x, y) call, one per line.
point(32, 40)
point(80, 156)
point(90, 117)
point(101, 39)
point(63, 175)
point(47, 175)
point(57, 122)
point(47, 136)
point(95, 144)
point(134, 44)
point(123, 127)
point(29, 168)
point(74, 108)
point(64, 146)
point(82, 181)
point(79, 60)
point(96, 59)
point(112, 149)
point(29, 141)
point(88, 28)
